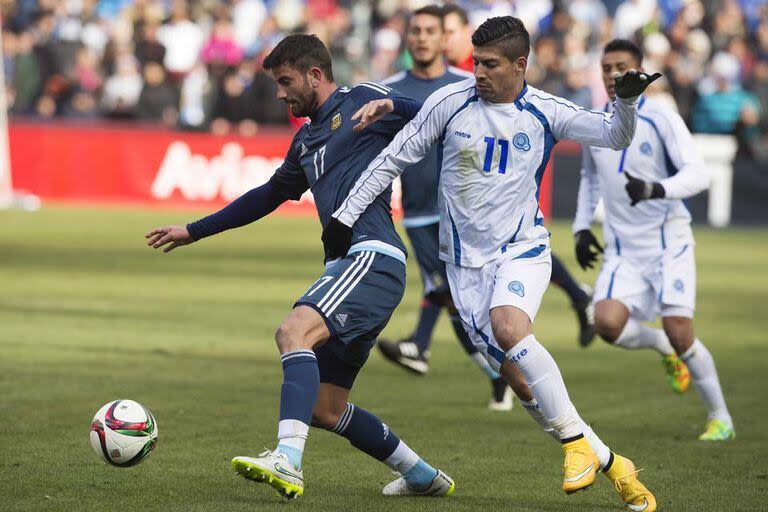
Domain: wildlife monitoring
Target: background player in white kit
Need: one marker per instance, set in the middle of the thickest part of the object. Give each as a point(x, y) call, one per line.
point(649, 266)
point(495, 135)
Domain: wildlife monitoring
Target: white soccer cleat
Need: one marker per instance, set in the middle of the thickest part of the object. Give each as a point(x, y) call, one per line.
point(272, 468)
point(442, 485)
point(507, 400)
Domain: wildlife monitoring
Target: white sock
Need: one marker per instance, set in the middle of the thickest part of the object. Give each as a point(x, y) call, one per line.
point(636, 335)
point(292, 433)
point(534, 411)
point(483, 364)
point(543, 377)
point(402, 459)
point(597, 445)
point(706, 381)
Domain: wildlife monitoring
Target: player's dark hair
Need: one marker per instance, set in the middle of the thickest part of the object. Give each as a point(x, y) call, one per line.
point(429, 10)
point(302, 52)
point(458, 11)
point(506, 32)
point(625, 45)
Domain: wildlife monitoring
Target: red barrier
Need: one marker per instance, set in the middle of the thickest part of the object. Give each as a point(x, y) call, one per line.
point(120, 164)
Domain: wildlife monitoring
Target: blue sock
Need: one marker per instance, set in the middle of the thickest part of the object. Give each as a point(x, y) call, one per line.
point(420, 476)
point(301, 383)
point(428, 315)
point(562, 278)
point(367, 433)
point(294, 454)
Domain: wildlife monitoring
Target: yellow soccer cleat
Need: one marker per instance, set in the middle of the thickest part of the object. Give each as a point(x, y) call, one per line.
point(580, 466)
point(272, 468)
point(633, 493)
point(678, 376)
point(718, 430)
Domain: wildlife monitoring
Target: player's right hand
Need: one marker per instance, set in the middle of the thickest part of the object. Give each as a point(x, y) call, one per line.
point(585, 242)
point(337, 238)
point(175, 236)
point(633, 83)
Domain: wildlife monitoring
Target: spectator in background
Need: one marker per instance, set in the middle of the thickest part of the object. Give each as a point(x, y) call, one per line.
point(222, 46)
point(86, 84)
point(147, 48)
point(458, 35)
point(248, 16)
point(26, 74)
point(122, 89)
point(158, 100)
point(723, 104)
point(182, 39)
point(631, 16)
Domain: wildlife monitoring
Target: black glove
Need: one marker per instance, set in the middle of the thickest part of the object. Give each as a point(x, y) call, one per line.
point(640, 190)
point(633, 83)
point(585, 241)
point(337, 238)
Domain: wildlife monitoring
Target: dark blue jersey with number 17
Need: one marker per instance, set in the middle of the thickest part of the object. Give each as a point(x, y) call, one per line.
point(327, 157)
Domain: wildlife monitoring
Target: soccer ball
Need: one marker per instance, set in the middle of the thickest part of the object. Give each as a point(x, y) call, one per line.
point(123, 433)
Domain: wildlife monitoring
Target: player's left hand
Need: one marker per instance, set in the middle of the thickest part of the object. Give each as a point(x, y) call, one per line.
point(633, 83)
point(372, 112)
point(640, 190)
point(337, 238)
point(176, 236)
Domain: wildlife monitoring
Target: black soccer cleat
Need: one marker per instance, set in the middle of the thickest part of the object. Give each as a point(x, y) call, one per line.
point(585, 311)
point(406, 354)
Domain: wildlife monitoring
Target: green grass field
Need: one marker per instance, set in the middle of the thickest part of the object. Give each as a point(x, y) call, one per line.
point(89, 314)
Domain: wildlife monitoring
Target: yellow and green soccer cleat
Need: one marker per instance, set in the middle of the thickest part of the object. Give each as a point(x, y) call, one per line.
point(678, 376)
point(580, 466)
point(272, 468)
point(717, 430)
point(633, 493)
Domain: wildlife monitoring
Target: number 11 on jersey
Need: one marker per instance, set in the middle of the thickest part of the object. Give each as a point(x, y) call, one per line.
point(490, 146)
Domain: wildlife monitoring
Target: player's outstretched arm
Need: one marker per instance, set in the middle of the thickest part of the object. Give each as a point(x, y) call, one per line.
point(613, 131)
point(375, 110)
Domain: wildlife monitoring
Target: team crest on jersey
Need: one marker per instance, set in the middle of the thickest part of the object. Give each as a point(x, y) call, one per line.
point(521, 141)
point(336, 120)
point(517, 288)
point(678, 285)
point(646, 149)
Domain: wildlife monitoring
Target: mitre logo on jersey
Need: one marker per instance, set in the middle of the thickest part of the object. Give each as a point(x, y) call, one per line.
point(521, 141)
point(336, 120)
point(646, 149)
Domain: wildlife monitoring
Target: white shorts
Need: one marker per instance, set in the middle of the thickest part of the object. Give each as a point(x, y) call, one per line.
point(519, 282)
point(663, 285)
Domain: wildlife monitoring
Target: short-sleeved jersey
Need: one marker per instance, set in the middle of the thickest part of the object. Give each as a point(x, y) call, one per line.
point(419, 181)
point(492, 158)
point(661, 151)
point(327, 157)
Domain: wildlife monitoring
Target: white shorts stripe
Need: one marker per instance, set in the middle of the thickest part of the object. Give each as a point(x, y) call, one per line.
point(340, 280)
point(351, 287)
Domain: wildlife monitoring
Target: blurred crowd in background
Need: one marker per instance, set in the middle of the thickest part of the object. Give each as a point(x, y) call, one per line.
point(196, 64)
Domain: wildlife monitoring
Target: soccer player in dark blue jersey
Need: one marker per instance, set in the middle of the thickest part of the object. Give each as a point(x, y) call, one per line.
point(425, 41)
point(327, 337)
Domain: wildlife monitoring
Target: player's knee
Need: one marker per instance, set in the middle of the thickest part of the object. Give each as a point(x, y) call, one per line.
point(288, 336)
point(609, 327)
point(679, 330)
point(326, 417)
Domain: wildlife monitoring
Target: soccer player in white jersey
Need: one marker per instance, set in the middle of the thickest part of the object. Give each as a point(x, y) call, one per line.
point(495, 135)
point(649, 267)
